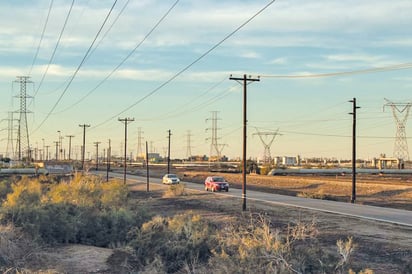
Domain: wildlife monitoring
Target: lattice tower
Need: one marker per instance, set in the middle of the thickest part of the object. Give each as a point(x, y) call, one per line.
point(400, 150)
point(188, 145)
point(140, 151)
point(215, 148)
point(23, 145)
point(267, 139)
point(10, 152)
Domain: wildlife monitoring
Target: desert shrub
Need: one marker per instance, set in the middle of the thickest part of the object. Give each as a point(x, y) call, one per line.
point(90, 192)
point(175, 190)
point(312, 195)
point(175, 241)
point(186, 244)
point(15, 248)
point(264, 170)
point(259, 248)
point(84, 211)
point(114, 194)
point(106, 228)
point(5, 188)
point(25, 192)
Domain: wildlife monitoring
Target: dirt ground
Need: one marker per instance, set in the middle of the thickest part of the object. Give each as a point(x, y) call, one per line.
point(384, 248)
point(386, 191)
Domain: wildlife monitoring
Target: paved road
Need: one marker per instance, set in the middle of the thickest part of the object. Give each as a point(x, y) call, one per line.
point(389, 215)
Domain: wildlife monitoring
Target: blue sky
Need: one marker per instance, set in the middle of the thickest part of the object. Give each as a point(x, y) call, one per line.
point(288, 38)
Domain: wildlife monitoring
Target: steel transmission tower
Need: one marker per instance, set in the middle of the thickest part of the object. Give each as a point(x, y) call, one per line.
point(267, 139)
point(23, 144)
point(400, 150)
point(188, 146)
point(140, 151)
point(215, 148)
point(10, 144)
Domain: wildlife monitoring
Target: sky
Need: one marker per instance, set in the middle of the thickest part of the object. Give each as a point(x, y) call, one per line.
point(167, 64)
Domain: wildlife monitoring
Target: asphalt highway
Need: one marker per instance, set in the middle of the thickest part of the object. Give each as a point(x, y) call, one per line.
point(382, 214)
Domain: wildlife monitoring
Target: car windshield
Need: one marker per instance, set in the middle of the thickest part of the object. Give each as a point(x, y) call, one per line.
point(218, 179)
point(171, 176)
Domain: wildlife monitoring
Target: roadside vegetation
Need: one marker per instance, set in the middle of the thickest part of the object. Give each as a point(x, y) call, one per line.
point(86, 210)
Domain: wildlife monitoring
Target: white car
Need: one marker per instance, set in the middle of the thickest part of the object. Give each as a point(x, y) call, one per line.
point(170, 179)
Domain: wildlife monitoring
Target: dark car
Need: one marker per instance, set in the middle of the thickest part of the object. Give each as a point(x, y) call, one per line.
point(216, 183)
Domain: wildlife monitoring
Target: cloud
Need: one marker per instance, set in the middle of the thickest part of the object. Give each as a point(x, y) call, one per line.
point(279, 61)
point(355, 58)
point(250, 55)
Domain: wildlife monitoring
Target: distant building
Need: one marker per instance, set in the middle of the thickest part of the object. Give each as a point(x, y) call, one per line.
point(154, 157)
point(385, 162)
point(287, 161)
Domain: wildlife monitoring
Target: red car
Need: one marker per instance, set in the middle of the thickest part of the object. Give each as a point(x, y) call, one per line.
point(216, 183)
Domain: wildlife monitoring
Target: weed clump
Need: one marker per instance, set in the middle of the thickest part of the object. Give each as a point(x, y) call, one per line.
point(175, 191)
point(85, 211)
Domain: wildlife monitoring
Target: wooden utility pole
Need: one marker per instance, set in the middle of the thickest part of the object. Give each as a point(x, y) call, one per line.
point(125, 121)
point(147, 168)
point(57, 149)
point(70, 144)
point(168, 152)
point(109, 152)
point(353, 113)
point(97, 154)
point(244, 81)
point(84, 126)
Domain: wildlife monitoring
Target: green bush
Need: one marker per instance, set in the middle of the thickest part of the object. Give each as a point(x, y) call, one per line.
point(84, 211)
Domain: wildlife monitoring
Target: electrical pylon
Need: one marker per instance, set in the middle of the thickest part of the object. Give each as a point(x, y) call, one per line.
point(215, 148)
point(188, 146)
point(23, 146)
point(267, 139)
point(140, 151)
point(10, 152)
point(400, 150)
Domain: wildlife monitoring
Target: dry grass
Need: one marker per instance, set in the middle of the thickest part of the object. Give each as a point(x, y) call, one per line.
point(175, 191)
point(373, 190)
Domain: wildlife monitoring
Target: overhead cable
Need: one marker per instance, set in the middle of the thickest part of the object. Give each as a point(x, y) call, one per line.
point(188, 66)
point(55, 48)
point(78, 68)
point(333, 74)
point(124, 59)
point(178, 110)
point(41, 37)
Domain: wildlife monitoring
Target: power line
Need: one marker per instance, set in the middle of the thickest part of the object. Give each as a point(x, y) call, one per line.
point(78, 68)
point(41, 37)
point(55, 48)
point(200, 106)
point(109, 28)
point(337, 135)
point(98, 43)
point(332, 74)
point(189, 65)
point(123, 61)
